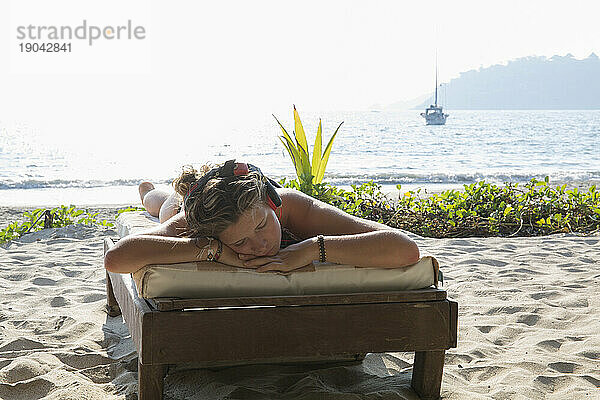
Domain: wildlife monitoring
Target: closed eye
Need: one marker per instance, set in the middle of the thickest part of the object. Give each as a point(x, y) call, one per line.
point(262, 224)
point(240, 243)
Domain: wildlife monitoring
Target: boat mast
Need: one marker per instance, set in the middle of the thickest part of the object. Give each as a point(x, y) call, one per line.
point(436, 77)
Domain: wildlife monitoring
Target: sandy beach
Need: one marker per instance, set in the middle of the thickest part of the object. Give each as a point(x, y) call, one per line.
point(528, 327)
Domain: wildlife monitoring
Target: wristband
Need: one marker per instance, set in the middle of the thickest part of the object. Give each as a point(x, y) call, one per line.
point(210, 254)
point(219, 251)
point(322, 253)
point(214, 256)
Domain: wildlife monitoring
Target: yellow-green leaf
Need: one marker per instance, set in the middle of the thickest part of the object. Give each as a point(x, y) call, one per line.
point(300, 136)
point(291, 148)
point(325, 157)
point(287, 148)
point(305, 162)
point(285, 134)
point(316, 158)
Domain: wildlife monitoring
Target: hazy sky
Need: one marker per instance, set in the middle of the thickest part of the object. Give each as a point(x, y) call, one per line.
point(208, 63)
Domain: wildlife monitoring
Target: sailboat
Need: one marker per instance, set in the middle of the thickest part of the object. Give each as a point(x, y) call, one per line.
point(434, 114)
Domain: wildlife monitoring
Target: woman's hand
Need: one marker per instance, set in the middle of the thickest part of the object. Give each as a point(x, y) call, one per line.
point(230, 257)
point(292, 257)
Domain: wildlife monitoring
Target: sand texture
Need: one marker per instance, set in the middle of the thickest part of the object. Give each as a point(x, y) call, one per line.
point(529, 328)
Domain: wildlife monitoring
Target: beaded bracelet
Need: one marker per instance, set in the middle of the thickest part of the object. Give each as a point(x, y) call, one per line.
point(210, 255)
point(322, 253)
point(215, 256)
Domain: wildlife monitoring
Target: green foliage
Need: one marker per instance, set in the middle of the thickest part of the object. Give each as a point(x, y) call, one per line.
point(364, 201)
point(309, 176)
point(130, 208)
point(322, 191)
point(482, 209)
point(57, 217)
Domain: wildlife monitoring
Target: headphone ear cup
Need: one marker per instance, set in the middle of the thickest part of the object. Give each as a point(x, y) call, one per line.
point(271, 185)
point(273, 195)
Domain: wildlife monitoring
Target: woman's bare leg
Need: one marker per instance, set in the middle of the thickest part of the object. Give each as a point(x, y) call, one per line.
point(170, 207)
point(159, 203)
point(152, 198)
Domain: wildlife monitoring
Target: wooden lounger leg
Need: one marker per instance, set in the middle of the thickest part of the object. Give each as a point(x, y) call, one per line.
point(427, 374)
point(151, 381)
point(112, 307)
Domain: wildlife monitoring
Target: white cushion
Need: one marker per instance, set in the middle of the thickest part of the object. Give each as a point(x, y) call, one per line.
point(134, 222)
point(216, 280)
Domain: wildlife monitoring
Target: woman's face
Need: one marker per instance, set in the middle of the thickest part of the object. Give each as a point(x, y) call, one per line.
point(256, 233)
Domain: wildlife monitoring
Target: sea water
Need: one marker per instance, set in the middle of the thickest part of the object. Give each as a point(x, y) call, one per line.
point(387, 147)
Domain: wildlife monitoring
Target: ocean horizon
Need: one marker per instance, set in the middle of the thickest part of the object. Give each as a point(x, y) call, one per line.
point(387, 147)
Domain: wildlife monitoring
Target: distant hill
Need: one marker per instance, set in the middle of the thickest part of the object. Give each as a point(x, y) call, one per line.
point(526, 83)
point(408, 104)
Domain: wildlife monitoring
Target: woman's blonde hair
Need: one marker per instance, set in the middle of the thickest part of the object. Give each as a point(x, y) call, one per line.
point(209, 211)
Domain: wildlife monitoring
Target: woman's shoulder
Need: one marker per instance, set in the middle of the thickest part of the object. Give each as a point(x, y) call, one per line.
point(308, 217)
point(294, 201)
point(295, 207)
point(293, 195)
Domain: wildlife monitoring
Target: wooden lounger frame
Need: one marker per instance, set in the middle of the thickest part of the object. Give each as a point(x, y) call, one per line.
point(231, 331)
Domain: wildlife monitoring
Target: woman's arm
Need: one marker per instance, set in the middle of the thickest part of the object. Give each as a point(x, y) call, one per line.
point(160, 245)
point(136, 251)
point(348, 239)
point(157, 245)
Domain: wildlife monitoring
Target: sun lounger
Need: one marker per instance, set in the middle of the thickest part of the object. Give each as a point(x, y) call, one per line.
point(219, 331)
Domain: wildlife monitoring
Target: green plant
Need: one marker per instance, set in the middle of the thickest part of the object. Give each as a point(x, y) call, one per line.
point(322, 191)
point(364, 201)
point(56, 217)
point(308, 175)
point(129, 208)
point(481, 209)
point(484, 209)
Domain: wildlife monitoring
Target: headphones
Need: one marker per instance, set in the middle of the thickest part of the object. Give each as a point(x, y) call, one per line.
point(231, 169)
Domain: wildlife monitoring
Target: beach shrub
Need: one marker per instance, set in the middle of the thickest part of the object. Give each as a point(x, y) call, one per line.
point(481, 209)
point(309, 176)
point(322, 191)
point(129, 209)
point(364, 201)
point(38, 219)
